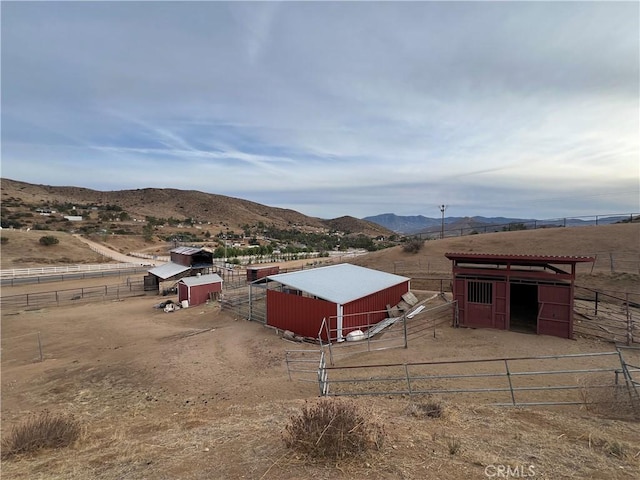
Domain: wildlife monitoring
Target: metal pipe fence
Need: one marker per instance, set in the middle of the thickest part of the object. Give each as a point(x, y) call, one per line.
point(570, 379)
point(393, 332)
point(72, 295)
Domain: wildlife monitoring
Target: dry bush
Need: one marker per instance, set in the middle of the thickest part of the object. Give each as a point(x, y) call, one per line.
point(430, 409)
point(608, 399)
point(38, 431)
point(332, 429)
point(413, 246)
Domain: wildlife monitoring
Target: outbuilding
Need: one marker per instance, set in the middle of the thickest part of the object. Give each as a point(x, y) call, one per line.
point(257, 272)
point(197, 290)
point(527, 293)
point(347, 297)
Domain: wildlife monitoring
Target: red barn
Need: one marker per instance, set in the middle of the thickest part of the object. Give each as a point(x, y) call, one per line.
point(347, 296)
point(528, 293)
point(197, 290)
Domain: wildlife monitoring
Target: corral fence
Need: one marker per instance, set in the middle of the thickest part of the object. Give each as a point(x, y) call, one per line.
point(307, 366)
point(22, 349)
point(614, 317)
point(590, 379)
point(73, 295)
point(392, 332)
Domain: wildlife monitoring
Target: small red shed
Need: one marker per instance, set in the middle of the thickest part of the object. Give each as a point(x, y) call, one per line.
point(347, 296)
point(197, 290)
point(529, 293)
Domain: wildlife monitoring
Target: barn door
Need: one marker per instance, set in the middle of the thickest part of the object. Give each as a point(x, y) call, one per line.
point(479, 304)
point(554, 310)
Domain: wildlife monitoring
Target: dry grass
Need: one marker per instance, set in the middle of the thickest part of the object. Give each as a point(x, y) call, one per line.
point(40, 431)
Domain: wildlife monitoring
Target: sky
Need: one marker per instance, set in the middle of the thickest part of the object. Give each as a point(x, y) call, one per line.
point(515, 109)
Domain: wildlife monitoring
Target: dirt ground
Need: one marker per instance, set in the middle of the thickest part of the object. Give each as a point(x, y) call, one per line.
point(200, 394)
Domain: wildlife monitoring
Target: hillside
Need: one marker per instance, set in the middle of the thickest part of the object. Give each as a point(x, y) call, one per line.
point(217, 212)
point(615, 247)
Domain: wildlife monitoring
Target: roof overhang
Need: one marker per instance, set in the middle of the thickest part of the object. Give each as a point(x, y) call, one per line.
point(340, 284)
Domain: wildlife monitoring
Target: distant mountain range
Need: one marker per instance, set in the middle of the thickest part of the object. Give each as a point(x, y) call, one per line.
point(417, 224)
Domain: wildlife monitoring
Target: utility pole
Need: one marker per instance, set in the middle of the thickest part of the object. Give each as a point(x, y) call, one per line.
point(442, 209)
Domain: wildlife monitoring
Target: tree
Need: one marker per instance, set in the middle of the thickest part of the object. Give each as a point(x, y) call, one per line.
point(48, 240)
point(147, 232)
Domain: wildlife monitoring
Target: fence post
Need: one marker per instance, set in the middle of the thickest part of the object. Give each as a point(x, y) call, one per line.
point(513, 397)
point(404, 326)
point(596, 310)
point(406, 372)
point(40, 346)
point(629, 323)
point(611, 262)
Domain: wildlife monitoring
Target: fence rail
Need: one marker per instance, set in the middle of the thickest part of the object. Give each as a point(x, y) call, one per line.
point(553, 380)
point(72, 295)
point(34, 271)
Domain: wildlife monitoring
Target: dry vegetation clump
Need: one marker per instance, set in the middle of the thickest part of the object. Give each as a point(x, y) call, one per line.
point(413, 246)
point(608, 400)
point(333, 429)
point(39, 431)
point(428, 409)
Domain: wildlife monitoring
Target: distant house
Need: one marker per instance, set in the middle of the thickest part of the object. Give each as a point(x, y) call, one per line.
point(197, 290)
point(73, 218)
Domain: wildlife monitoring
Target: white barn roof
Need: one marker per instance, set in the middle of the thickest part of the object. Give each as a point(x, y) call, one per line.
point(168, 270)
point(339, 284)
point(201, 280)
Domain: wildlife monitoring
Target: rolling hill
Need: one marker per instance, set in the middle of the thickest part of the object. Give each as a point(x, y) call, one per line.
point(20, 200)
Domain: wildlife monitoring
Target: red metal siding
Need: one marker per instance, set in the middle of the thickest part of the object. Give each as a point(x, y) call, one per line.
point(301, 315)
point(184, 260)
point(501, 302)
point(459, 295)
point(353, 316)
point(183, 292)
point(198, 294)
point(555, 311)
point(256, 273)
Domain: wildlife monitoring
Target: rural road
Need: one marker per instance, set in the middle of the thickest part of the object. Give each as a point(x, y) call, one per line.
point(117, 256)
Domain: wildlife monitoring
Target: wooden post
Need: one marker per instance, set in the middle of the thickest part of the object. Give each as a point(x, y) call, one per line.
point(40, 347)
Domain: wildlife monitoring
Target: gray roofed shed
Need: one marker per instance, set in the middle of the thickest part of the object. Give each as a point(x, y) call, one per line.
point(168, 270)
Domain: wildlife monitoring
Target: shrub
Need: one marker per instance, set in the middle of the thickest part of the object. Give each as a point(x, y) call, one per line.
point(48, 240)
point(4, 240)
point(413, 246)
point(430, 409)
point(43, 430)
point(332, 429)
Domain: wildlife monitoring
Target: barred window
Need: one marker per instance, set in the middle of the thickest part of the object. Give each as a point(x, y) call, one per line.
point(480, 292)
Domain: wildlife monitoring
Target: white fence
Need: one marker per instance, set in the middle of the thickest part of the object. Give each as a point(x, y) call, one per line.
point(100, 267)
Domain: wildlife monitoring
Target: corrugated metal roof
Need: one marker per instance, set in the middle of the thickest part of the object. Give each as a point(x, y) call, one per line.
point(501, 258)
point(341, 283)
point(201, 280)
point(186, 250)
point(168, 270)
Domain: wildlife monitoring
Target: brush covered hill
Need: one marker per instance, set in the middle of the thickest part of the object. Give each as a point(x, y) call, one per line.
point(21, 199)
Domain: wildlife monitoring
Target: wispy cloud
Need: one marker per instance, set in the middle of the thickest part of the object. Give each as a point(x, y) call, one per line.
point(331, 108)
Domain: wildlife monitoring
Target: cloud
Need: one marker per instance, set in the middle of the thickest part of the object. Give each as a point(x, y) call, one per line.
point(330, 108)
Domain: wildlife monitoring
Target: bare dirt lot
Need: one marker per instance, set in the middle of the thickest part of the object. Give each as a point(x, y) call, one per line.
point(201, 394)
